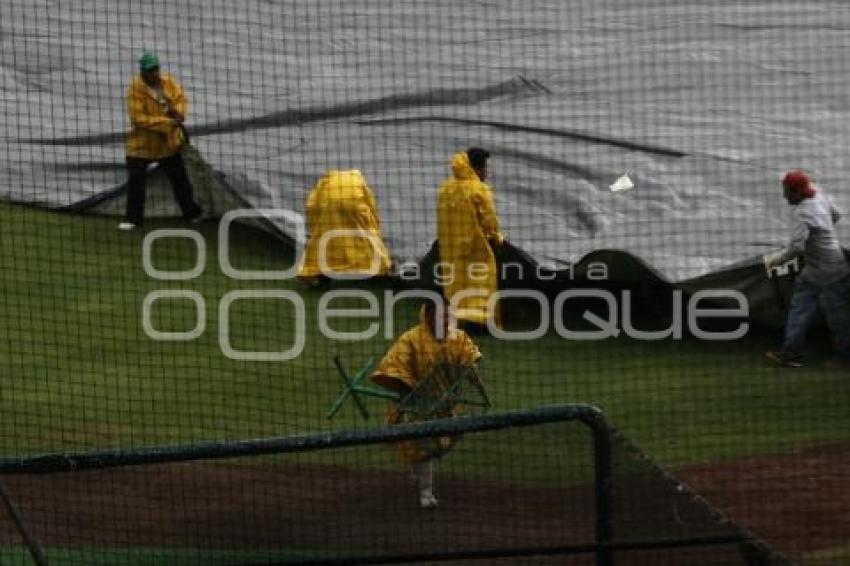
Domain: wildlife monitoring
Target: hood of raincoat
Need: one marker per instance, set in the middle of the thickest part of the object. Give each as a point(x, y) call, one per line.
point(341, 200)
point(462, 168)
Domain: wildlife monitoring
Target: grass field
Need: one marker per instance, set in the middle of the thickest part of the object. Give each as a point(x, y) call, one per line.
point(78, 371)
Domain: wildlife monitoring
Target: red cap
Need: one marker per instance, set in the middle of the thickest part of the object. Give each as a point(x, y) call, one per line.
point(798, 183)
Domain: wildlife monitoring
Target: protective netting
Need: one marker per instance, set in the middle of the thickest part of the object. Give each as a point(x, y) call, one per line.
point(616, 243)
point(527, 493)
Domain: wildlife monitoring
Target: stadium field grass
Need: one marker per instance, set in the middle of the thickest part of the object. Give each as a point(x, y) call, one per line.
point(839, 555)
point(78, 371)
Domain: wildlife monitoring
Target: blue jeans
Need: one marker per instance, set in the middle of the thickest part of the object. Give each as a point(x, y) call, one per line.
point(835, 302)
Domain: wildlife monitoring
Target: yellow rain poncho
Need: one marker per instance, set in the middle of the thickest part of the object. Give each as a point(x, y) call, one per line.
point(153, 134)
point(467, 223)
point(341, 200)
point(410, 360)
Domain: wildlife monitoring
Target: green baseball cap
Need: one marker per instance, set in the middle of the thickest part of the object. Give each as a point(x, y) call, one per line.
point(148, 61)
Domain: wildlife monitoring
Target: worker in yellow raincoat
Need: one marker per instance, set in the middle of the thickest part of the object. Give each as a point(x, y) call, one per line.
point(157, 108)
point(468, 230)
point(410, 360)
point(345, 229)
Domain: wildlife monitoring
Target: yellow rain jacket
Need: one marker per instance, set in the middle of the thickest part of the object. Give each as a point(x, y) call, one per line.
point(467, 223)
point(153, 135)
point(408, 361)
point(341, 200)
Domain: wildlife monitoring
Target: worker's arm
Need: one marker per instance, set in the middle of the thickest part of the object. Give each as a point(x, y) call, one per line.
point(177, 103)
point(796, 246)
point(488, 218)
point(140, 118)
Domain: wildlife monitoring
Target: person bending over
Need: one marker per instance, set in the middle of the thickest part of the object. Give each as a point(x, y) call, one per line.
point(341, 210)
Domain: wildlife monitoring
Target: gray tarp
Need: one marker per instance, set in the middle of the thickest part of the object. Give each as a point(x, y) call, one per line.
point(703, 105)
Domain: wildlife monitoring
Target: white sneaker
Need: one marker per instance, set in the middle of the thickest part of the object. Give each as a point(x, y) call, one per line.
point(126, 226)
point(427, 499)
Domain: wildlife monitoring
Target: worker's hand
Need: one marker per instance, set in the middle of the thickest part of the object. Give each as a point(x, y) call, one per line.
point(170, 111)
point(497, 240)
point(176, 116)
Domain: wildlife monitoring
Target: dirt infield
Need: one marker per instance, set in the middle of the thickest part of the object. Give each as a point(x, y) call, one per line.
point(224, 506)
point(797, 502)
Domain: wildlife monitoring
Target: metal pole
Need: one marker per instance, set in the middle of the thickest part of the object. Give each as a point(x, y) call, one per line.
point(604, 488)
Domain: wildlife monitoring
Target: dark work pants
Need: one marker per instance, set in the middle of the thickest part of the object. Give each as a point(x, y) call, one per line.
point(834, 299)
point(175, 170)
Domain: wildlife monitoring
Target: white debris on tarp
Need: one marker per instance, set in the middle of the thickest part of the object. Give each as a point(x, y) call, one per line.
point(623, 183)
